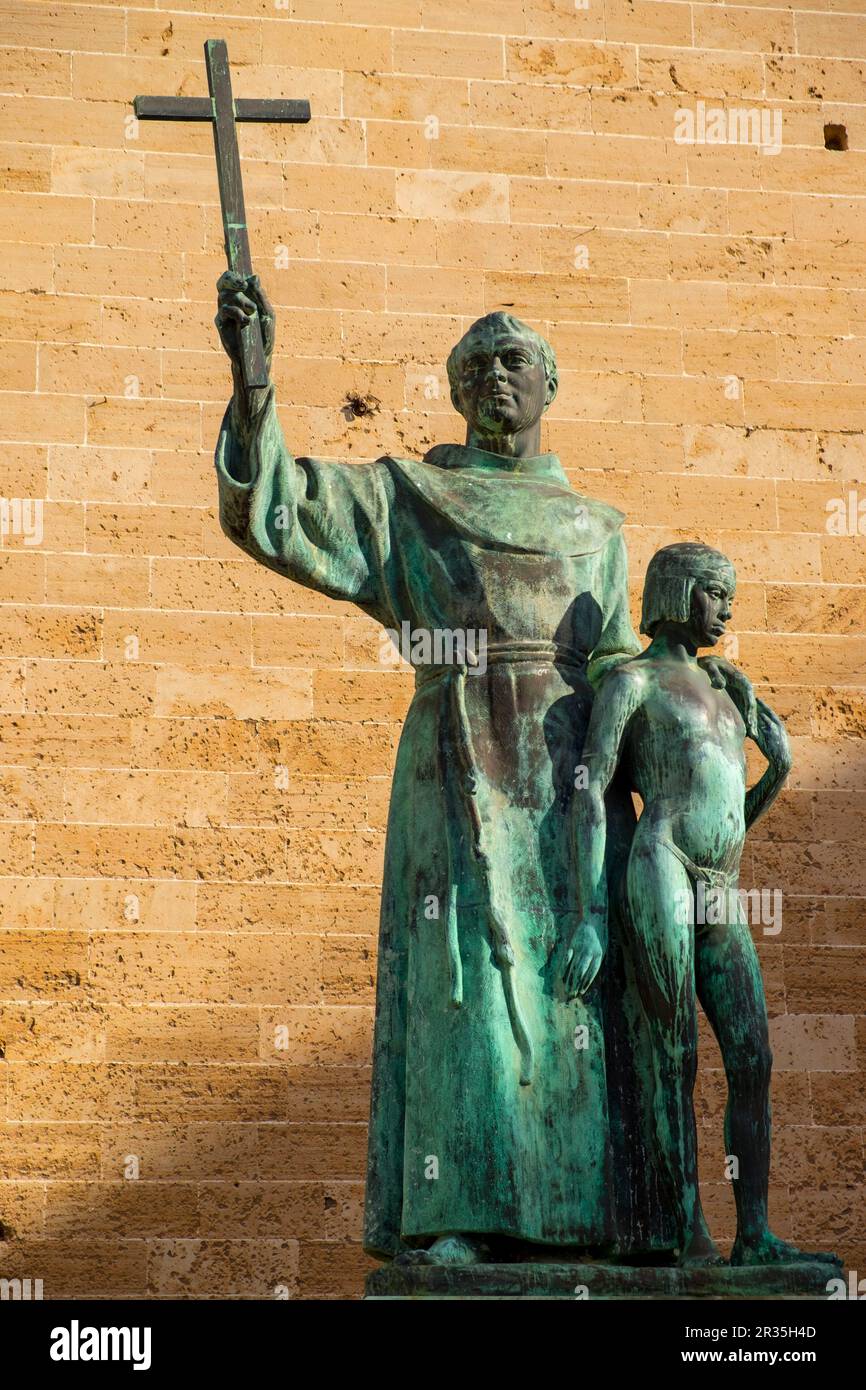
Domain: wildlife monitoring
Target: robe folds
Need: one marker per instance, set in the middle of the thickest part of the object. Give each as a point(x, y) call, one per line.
point(489, 1109)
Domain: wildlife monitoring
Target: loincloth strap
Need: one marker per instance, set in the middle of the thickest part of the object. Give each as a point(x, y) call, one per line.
point(714, 878)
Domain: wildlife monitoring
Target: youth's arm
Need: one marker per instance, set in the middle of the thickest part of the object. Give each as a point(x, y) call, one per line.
point(620, 695)
point(772, 740)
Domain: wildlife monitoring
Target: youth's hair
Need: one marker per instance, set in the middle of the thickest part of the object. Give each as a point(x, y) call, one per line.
point(670, 579)
point(516, 326)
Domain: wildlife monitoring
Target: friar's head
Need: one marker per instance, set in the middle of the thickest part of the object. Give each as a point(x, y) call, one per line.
point(692, 586)
point(502, 376)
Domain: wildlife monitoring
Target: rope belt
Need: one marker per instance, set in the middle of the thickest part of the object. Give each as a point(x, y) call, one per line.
point(456, 725)
point(506, 653)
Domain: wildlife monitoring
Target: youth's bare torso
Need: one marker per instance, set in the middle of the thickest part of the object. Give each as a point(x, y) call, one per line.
point(688, 736)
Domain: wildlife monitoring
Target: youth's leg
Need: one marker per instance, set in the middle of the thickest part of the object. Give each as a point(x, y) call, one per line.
point(660, 903)
point(731, 991)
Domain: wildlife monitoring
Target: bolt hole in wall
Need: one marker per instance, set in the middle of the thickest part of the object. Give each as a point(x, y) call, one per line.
point(357, 406)
point(835, 137)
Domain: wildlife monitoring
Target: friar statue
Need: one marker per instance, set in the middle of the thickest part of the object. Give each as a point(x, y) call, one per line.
point(490, 1130)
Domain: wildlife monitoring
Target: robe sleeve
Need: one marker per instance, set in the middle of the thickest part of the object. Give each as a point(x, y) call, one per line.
point(618, 640)
point(325, 525)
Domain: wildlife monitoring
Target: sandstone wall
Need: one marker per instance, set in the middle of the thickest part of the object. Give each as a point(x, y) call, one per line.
point(195, 754)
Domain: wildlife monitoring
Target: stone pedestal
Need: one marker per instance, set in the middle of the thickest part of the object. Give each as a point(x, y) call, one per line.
point(543, 1279)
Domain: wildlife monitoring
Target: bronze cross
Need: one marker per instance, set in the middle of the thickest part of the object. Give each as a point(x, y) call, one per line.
point(223, 111)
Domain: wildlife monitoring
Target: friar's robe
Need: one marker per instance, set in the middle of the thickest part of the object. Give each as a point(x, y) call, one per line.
point(489, 1109)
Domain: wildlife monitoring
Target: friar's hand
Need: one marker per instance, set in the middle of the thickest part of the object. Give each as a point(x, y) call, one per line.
point(724, 676)
point(239, 297)
point(582, 960)
point(772, 740)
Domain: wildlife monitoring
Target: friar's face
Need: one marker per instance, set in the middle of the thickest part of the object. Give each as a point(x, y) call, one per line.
point(712, 597)
point(502, 387)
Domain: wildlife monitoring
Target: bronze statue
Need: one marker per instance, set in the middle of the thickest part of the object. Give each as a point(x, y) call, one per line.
point(681, 745)
point(516, 1108)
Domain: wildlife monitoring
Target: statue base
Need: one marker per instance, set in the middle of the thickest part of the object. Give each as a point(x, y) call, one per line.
point(546, 1279)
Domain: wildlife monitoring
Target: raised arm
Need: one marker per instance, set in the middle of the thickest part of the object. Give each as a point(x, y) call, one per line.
point(239, 299)
point(323, 524)
point(772, 740)
point(620, 695)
